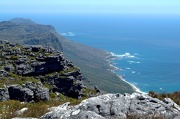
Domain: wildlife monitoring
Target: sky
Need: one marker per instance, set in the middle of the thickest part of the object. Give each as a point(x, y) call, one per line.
point(91, 6)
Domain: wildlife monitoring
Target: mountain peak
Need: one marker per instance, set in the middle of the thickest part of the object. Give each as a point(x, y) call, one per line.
point(22, 21)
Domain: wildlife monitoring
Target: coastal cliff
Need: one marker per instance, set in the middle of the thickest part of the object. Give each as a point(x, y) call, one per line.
point(35, 75)
point(94, 63)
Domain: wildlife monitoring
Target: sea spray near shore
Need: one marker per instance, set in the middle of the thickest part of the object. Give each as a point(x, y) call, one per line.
point(121, 56)
point(125, 55)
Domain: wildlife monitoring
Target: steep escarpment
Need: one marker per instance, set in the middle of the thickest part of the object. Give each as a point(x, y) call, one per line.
point(25, 31)
point(31, 73)
point(93, 62)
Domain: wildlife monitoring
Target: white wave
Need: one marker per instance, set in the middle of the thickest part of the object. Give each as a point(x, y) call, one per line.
point(128, 68)
point(133, 72)
point(68, 34)
point(133, 62)
point(123, 56)
point(133, 85)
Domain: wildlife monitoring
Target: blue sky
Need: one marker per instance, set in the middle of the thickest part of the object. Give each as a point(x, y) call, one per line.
point(91, 6)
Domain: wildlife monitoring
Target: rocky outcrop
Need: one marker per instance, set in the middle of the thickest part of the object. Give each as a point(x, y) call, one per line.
point(34, 63)
point(115, 106)
point(28, 92)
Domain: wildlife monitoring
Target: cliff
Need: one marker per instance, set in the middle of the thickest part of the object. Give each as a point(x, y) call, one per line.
point(30, 73)
point(25, 31)
point(94, 63)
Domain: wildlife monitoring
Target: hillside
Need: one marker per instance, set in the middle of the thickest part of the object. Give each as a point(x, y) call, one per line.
point(32, 73)
point(93, 62)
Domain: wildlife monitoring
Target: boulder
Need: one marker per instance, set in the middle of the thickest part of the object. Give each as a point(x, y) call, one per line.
point(9, 68)
point(28, 92)
point(42, 94)
point(68, 86)
point(16, 92)
point(3, 73)
point(4, 94)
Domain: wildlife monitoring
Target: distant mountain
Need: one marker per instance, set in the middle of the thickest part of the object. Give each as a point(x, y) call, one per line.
point(25, 31)
point(22, 21)
point(93, 62)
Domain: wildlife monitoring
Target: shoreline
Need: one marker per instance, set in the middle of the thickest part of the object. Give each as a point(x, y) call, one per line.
point(132, 85)
point(110, 59)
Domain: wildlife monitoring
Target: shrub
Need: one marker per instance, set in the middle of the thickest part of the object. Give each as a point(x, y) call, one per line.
point(175, 96)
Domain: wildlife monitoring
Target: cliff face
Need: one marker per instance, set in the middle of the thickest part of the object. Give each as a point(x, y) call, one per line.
point(25, 31)
point(92, 62)
point(117, 106)
point(29, 73)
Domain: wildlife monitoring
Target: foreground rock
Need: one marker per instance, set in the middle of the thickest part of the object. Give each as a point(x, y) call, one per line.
point(110, 106)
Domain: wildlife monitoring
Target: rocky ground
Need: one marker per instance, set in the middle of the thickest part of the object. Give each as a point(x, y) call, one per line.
point(117, 106)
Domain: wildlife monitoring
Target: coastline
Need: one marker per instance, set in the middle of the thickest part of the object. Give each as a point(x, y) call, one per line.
point(110, 59)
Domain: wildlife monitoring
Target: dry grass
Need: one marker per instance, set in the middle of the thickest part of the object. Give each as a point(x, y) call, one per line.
point(8, 108)
point(143, 117)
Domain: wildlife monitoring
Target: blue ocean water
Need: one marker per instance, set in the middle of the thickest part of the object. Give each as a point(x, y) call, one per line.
point(147, 47)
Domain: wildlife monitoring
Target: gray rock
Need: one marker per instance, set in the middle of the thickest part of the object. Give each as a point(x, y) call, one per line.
point(42, 94)
point(21, 111)
point(9, 68)
point(21, 60)
point(18, 51)
point(36, 48)
point(3, 73)
point(97, 89)
point(4, 94)
point(110, 106)
point(28, 92)
point(24, 69)
point(16, 92)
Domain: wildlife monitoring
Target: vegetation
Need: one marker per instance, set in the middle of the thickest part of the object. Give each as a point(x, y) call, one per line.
point(175, 96)
point(16, 79)
point(8, 109)
point(144, 117)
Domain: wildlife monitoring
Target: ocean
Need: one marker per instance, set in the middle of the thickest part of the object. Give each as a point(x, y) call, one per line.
point(147, 47)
